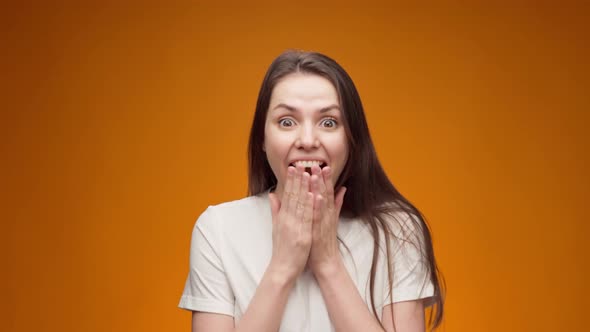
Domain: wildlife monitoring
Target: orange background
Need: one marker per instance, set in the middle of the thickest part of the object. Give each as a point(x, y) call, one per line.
point(121, 123)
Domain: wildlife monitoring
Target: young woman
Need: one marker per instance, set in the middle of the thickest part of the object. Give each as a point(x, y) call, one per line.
point(324, 241)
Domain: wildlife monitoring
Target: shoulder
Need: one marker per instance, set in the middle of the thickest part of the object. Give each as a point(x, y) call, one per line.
point(236, 211)
point(247, 205)
point(404, 224)
point(398, 219)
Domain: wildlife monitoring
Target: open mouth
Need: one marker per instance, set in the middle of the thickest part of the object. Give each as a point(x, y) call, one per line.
point(308, 164)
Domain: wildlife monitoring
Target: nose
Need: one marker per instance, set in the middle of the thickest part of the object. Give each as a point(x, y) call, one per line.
point(307, 138)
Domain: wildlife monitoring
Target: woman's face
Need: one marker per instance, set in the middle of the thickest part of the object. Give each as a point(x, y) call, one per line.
point(304, 124)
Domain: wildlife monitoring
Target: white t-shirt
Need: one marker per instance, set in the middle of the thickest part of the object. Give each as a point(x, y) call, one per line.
point(231, 248)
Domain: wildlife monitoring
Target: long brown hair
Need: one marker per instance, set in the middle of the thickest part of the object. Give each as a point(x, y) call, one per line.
point(370, 195)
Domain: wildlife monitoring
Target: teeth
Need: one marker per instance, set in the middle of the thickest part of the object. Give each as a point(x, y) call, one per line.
point(307, 163)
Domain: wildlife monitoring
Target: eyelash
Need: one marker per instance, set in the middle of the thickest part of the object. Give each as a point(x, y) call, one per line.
point(331, 119)
point(283, 120)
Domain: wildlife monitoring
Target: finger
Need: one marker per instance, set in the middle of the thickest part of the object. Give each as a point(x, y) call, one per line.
point(318, 212)
point(316, 173)
point(308, 211)
point(321, 183)
point(303, 192)
point(328, 186)
point(293, 198)
point(275, 206)
point(339, 200)
point(315, 184)
point(288, 191)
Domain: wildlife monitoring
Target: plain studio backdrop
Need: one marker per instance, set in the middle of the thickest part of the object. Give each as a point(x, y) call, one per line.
point(121, 122)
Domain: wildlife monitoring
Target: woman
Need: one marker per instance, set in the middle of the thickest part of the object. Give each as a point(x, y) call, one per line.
point(324, 241)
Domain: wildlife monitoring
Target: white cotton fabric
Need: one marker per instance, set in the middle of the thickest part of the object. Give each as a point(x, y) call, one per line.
point(231, 248)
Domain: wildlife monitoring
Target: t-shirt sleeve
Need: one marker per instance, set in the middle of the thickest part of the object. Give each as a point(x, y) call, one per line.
point(411, 275)
point(207, 288)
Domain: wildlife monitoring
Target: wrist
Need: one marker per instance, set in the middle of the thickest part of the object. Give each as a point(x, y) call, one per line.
point(327, 271)
point(281, 275)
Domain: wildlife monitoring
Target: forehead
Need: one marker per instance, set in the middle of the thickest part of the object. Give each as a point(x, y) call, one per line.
point(304, 90)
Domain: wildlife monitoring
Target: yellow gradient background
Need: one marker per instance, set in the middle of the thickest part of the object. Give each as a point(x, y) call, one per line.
point(121, 123)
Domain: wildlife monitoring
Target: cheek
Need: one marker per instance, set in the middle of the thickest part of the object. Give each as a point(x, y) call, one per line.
point(342, 158)
point(338, 155)
point(276, 151)
point(277, 143)
point(339, 149)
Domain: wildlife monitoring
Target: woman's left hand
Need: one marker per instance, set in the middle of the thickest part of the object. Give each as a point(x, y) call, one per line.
point(325, 253)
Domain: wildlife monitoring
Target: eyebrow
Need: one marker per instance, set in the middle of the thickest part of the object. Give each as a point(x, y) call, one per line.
point(294, 109)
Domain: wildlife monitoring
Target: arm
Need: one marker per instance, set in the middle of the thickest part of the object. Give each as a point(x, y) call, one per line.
point(269, 302)
point(407, 315)
point(292, 222)
point(347, 310)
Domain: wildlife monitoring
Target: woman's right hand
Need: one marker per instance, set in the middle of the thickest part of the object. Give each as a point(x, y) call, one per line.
point(292, 224)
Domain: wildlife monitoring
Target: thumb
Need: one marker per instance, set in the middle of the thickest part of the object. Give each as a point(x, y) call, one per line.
point(339, 199)
point(275, 205)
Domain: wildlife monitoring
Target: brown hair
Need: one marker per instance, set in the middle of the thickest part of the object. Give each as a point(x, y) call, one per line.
point(370, 195)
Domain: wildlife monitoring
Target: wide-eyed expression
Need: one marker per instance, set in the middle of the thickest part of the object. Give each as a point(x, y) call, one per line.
point(304, 126)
